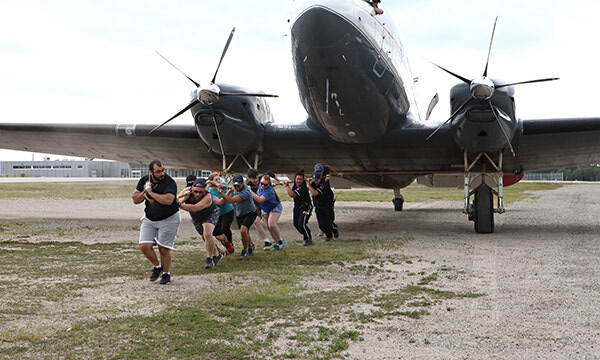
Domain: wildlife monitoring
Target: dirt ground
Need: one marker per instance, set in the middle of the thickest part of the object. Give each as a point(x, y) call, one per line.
point(540, 272)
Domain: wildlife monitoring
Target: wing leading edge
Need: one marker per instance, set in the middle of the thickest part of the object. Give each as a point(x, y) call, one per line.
point(561, 142)
point(176, 145)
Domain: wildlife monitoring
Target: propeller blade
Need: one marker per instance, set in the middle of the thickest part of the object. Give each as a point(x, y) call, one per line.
point(451, 117)
point(490, 49)
point(176, 68)
point(191, 105)
point(502, 128)
point(214, 116)
point(526, 82)
point(453, 74)
point(246, 94)
point(223, 55)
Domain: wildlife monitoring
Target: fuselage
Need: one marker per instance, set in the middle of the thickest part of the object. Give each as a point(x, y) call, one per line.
point(352, 72)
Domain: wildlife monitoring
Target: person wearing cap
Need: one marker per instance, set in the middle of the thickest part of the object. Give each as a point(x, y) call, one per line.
point(189, 180)
point(245, 211)
point(222, 230)
point(323, 199)
point(205, 214)
point(161, 220)
point(254, 184)
point(302, 205)
point(271, 208)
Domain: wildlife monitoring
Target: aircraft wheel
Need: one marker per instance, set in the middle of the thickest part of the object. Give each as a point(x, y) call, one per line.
point(398, 201)
point(483, 210)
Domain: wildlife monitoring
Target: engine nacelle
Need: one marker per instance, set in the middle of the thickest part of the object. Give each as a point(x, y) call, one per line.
point(475, 128)
point(239, 122)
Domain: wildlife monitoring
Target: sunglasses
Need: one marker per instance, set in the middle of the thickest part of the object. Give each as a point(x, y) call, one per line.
point(264, 184)
point(198, 192)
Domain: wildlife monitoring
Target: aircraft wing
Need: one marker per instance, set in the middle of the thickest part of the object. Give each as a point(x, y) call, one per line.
point(554, 143)
point(175, 145)
point(284, 148)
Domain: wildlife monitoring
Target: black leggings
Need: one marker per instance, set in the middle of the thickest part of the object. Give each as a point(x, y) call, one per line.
point(224, 226)
point(326, 218)
point(301, 222)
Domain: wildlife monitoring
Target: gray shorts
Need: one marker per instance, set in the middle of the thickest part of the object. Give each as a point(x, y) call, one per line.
point(161, 232)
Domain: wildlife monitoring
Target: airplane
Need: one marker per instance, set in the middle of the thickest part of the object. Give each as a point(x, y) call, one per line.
point(356, 85)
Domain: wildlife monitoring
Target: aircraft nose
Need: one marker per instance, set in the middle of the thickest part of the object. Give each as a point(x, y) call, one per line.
point(319, 27)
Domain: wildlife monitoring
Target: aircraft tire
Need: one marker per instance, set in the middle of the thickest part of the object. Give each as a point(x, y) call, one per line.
point(398, 203)
point(483, 210)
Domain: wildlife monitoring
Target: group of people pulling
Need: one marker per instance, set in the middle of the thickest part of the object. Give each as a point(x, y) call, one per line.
point(212, 204)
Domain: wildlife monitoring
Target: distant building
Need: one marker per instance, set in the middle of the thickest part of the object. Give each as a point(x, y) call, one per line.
point(84, 168)
point(539, 176)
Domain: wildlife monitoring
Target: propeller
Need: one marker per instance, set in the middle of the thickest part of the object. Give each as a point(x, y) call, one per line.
point(482, 88)
point(210, 94)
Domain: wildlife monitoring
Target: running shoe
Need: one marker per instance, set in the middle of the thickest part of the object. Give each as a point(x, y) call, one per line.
point(243, 255)
point(268, 246)
point(278, 247)
point(251, 249)
point(209, 263)
point(218, 258)
point(308, 242)
point(155, 273)
point(165, 279)
point(229, 247)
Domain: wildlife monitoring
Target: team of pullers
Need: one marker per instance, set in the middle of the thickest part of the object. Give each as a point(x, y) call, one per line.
point(212, 204)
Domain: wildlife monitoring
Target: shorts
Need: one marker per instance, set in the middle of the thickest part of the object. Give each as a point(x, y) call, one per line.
point(162, 232)
point(212, 218)
point(276, 209)
point(223, 224)
point(246, 220)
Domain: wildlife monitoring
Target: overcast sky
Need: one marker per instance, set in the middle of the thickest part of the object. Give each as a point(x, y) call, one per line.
point(94, 61)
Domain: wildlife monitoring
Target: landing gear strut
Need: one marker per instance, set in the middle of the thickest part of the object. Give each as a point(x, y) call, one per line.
point(481, 211)
point(398, 200)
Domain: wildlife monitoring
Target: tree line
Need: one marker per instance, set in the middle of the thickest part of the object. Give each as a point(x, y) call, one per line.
point(579, 173)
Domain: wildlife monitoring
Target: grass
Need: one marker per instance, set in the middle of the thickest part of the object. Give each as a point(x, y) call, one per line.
point(259, 308)
point(412, 193)
point(303, 302)
point(421, 193)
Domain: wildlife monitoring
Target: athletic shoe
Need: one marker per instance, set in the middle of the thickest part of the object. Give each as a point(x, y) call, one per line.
point(155, 273)
point(336, 234)
point(165, 279)
point(278, 247)
point(268, 246)
point(209, 263)
point(251, 249)
point(218, 258)
point(307, 243)
point(243, 255)
point(328, 239)
point(229, 247)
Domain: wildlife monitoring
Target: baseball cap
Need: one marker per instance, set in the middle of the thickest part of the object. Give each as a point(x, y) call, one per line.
point(316, 176)
point(318, 167)
point(189, 180)
point(238, 180)
point(200, 183)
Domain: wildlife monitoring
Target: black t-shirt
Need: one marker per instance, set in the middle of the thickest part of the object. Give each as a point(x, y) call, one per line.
point(325, 197)
point(200, 216)
point(302, 199)
point(156, 211)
